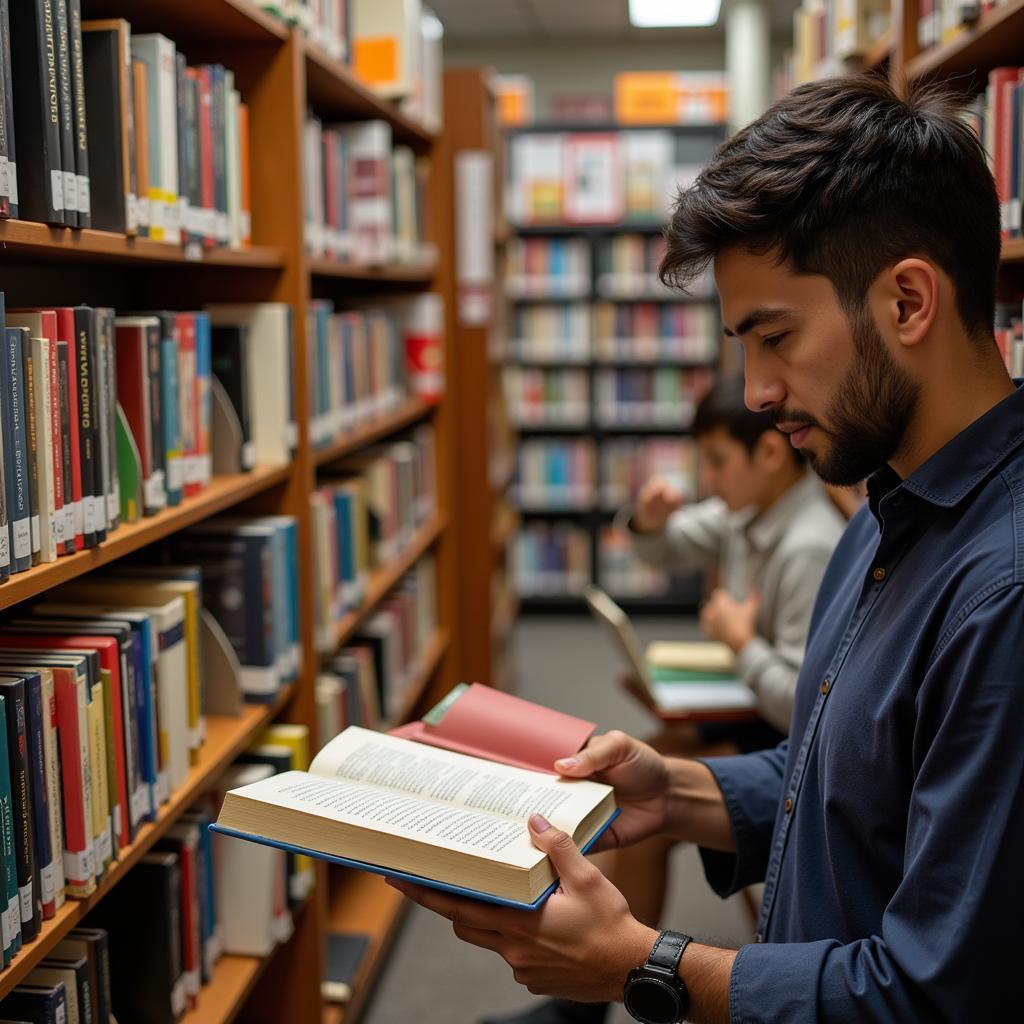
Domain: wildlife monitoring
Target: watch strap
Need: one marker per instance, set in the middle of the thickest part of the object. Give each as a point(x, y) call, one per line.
point(668, 950)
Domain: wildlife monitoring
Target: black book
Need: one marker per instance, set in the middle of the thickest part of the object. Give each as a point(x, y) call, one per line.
point(85, 328)
point(107, 92)
point(344, 954)
point(64, 399)
point(81, 137)
point(37, 1004)
point(99, 500)
point(37, 112)
point(5, 60)
point(46, 863)
point(5, 462)
point(24, 825)
point(15, 416)
point(5, 188)
point(66, 107)
point(95, 941)
point(230, 363)
point(79, 967)
point(145, 947)
point(184, 199)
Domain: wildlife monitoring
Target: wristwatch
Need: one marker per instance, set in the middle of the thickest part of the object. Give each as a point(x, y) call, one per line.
point(655, 994)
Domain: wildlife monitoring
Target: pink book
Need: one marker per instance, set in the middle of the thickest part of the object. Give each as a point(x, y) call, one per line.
point(489, 723)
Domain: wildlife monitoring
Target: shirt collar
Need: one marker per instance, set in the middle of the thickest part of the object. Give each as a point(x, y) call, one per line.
point(765, 530)
point(959, 466)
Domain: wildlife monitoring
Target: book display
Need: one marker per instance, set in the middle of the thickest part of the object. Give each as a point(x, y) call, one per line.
point(605, 365)
point(225, 442)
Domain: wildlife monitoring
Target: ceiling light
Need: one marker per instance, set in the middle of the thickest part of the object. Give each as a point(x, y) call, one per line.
point(673, 13)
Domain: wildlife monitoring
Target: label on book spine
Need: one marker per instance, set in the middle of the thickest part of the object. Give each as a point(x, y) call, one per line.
point(61, 1014)
point(131, 213)
point(57, 527)
point(163, 788)
point(5, 547)
point(117, 820)
point(12, 181)
point(153, 493)
point(78, 514)
point(36, 542)
point(113, 507)
point(57, 190)
point(89, 515)
point(174, 474)
point(178, 997)
point(70, 190)
point(84, 196)
point(14, 913)
point(22, 539)
point(5, 185)
point(25, 900)
point(248, 455)
point(48, 882)
point(139, 805)
point(6, 928)
point(79, 865)
point(67, 515)
point(142, 211)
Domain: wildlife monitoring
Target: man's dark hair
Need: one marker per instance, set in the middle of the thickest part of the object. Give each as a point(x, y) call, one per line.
point(844, 178)
point(723, 406)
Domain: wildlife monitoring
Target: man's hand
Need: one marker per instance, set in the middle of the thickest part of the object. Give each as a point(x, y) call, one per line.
point(580, 945)
point(639, 777)
point(657, 500)
point(731, 622)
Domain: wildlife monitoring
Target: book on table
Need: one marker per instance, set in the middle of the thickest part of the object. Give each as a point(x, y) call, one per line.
point(443, 819)
point(690, 681)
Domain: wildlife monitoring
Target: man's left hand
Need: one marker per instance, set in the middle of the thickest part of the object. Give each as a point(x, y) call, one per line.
point(730, 621)
point(580, 945)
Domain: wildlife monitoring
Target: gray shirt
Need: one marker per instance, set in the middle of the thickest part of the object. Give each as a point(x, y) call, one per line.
point(782, 553)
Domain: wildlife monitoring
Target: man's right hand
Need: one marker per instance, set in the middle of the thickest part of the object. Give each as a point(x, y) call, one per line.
point(638, 774)
point(657, 500)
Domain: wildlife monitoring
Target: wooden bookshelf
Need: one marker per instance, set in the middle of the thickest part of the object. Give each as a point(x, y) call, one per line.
point(280, 76)
point(1012, 251)
point(224, 492)
point(225, 739)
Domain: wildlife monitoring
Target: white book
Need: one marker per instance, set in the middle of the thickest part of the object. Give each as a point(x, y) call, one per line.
point(159, 54)
point(234, 172)
point(368, 159)
point(44, 444)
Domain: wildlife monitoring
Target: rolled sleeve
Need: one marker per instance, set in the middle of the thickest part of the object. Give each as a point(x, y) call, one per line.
point(751, 786)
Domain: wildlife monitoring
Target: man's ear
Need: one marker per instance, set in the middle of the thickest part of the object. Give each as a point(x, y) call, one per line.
point(772, 451)
point(908, 298)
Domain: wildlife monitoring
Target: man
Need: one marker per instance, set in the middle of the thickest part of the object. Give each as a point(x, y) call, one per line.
point(855, 240)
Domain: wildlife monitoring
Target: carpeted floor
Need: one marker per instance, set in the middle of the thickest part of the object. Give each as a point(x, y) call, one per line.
point(431, 977)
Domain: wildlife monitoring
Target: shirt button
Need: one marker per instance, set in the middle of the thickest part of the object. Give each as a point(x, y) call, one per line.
point(879, 574)
point(758, 937)
point(824, 685)
point(789, 804)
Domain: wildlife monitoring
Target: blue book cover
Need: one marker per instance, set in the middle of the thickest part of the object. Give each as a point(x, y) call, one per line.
point(204, 378)
point(343, 517)
point(322, 381)
point(169, 400)
point(19, 511)
point(9, 907)
point(376, 869)
point(347, 342)
point(287, 530)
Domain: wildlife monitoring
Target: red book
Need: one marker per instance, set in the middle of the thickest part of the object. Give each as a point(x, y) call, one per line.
point(488, 723)
point(66, 332)
point(131, 340)
point(110, 661)
point(1002, 81)
point(188, 404)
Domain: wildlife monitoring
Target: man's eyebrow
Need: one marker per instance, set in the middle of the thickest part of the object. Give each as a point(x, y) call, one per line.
point(757, 318)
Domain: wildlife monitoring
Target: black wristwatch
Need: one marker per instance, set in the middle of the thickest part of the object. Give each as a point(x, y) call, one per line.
point(655, 994)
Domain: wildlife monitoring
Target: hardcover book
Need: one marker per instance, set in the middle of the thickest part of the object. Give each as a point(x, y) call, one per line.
point(390, 806)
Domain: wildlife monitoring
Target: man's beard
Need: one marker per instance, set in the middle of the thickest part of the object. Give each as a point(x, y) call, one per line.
point(868, 415)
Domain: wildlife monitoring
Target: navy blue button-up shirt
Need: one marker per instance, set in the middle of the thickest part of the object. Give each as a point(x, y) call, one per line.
point(889, 828)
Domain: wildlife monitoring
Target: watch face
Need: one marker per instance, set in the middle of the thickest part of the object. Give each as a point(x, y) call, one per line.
point(653, 1002)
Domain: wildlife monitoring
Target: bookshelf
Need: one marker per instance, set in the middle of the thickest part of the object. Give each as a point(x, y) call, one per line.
point(562, 345)
point(473, 145)
point(279, 74)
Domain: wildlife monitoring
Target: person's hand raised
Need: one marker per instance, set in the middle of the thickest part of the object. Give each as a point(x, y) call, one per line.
point(657, 500)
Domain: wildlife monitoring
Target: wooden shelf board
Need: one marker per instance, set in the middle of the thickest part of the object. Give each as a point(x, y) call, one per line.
point(996, 39)
point(435, 650)
point(362, 903)
point(25, 238)
point(333, 89)
point(226, 737)
point(213, 20)
point(1013, 251)
point(388, 273)
point(224, 492)
point(221, 1000)
point(410, 412)
point(386, 577)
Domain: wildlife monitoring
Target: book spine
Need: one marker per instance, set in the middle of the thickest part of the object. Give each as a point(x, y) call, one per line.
point(204, 400)
point(140, 163)
point(206, 151)
point(56, 450)
point(11, 164)
point(170, 407)
point(102, 826)
point(102, 401)
point(17, 746)
point(35, 80)
point(5, 197)
point(28, 372)
point(181, 125)
point(45, 895)
point(67, 475)
point(188, 393)
point(44, 447)
point(21, 510)
point(86, 422)
point(114, 763)
point(245, 174)
point(105, 326)
point(158, 499)
point(219, 152)
point(81, 138)
point(51, 754)
point(79, 865)
point(130, 728)
point(98, 504)
point(69, 369)
point(10, 908)
point(67, 113)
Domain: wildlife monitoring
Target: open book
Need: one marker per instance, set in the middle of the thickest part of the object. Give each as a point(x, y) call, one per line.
point(676, 681)
point(395, 807)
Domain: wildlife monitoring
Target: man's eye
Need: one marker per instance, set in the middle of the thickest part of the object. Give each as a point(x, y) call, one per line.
point(773, 340)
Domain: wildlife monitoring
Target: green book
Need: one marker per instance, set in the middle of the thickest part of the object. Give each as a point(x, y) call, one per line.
point(10, 908)
point(683, 675)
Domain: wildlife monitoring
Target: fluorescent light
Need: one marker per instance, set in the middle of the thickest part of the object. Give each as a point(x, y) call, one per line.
point(673, 13)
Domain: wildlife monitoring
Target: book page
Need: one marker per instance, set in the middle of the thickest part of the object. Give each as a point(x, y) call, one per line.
point(375, 809)
point(428, 773)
